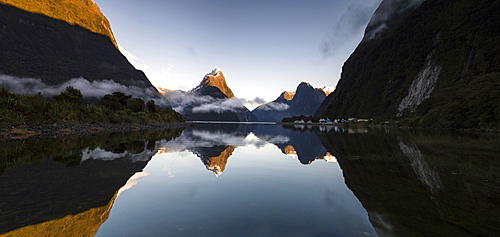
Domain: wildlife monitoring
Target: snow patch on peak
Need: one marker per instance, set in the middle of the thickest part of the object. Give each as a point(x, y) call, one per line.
point(214, 72)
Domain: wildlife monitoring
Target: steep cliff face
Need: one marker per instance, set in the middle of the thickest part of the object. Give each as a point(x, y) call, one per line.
point(304, 101)
point(432, 63)
point(422, 86)
point(37, 46)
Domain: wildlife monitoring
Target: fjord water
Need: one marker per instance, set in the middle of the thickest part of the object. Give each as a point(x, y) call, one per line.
point(253, 180)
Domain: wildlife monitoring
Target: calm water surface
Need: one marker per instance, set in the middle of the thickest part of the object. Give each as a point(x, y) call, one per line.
point(253, 180)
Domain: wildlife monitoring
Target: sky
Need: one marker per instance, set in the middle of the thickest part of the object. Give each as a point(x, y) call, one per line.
point(263, 47)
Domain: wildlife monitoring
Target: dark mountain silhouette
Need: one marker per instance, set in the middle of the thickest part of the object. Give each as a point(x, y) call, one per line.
point(428, 63)
point(304, 101)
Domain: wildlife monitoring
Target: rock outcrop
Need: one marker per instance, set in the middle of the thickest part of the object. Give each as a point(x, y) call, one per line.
point(422, 86)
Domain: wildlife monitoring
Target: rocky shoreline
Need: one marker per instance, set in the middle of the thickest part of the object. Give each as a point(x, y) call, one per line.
point(83, 129)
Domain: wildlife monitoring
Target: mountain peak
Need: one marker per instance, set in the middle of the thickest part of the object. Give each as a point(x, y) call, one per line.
point(214, 72)
point(215, 78)
point(304, 84)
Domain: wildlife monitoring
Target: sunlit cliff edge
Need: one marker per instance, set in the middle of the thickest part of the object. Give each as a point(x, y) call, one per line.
point(85, 13)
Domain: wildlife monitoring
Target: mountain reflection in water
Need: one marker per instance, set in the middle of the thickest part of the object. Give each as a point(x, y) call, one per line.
point(375, 181)
point(66, 186)
point(215, 143)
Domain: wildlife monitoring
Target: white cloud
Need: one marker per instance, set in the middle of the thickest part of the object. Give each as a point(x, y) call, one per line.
point(219, 138)
point(220, 106)
point(253, 103)
point(202, 104)
point(134, 60)
point(29, 86)
point(275, 106)
point(181, 100)
point(352, 22)
point(383, 14)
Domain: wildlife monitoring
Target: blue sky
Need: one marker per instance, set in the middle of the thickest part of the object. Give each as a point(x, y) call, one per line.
point(263, 47)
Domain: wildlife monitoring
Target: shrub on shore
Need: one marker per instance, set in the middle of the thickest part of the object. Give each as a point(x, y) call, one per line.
point(69, 107)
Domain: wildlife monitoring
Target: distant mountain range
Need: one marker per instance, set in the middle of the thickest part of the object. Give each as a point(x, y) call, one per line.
point(213, 100)
point(424, 63)
point(304, 101)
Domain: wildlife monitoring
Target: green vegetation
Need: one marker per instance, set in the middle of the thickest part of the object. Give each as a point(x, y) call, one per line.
point(468, 104)
point(69, 107)
point(463, 36)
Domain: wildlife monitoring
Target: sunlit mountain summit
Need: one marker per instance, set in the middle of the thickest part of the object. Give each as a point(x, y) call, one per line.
point(211, 100)
point(213, 83)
